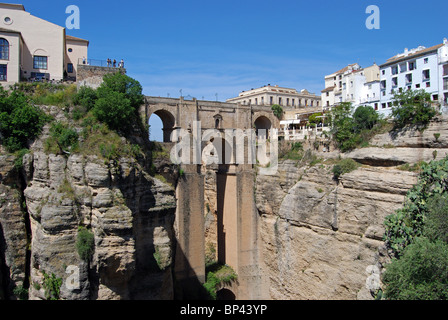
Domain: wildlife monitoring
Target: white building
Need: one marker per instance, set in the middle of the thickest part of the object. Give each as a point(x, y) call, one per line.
point(419, 68)
point(32, 48)
point(286, 97)
point(352, 84)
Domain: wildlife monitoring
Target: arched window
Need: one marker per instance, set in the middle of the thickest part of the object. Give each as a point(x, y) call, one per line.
point(4, 49)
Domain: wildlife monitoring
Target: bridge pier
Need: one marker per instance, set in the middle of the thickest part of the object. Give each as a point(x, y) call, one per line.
point(189, 226)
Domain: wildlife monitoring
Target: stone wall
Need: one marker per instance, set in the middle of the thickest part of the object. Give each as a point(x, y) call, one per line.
point(92, 76)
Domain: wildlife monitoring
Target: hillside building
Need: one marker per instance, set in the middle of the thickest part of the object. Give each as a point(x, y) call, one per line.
point(32, 48)
point(419, 68)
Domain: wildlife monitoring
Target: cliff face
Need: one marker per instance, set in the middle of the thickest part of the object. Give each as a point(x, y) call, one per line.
point(321, 238)
point(129, 212)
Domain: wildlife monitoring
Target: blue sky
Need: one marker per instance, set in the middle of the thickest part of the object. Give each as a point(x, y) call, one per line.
point(215, 49)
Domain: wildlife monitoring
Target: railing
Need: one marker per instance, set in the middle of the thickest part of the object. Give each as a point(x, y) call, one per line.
point(100, 63)
point(303, 132)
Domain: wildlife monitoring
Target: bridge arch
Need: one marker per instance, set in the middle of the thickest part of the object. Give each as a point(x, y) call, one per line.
point(168, 122)
point(225, 294)
point(262, 123)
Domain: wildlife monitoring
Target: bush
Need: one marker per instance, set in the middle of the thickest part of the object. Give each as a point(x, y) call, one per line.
point(85, 244)
point(278, 111)
point(114, 109)
point(52, 286)
point(85, 97)
point(365, 117)
point(125, 85)
point(344, 166)
point(436, 220)
point(412, 108)
point(218, 274)
point(407, 223)
point(351, 131)
point(62, 139)
point(19, 120)
point(420, 274)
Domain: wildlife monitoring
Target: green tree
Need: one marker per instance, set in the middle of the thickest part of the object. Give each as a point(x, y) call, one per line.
point(315, 118)
point(407, 223)
point(412, 108)
point(278, 111)
point(420, 274)
point(85, 97)
point(20, 121)
point(119, 98)
point(365, 117)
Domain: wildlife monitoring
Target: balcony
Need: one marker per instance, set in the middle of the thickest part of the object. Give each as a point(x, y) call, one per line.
point(99, 63)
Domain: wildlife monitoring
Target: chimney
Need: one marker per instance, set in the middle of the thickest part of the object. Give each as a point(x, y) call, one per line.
point(406, 51)
point(445, 41)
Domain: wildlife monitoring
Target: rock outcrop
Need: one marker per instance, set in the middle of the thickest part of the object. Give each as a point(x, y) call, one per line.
point(321, 238)
point(129, 212)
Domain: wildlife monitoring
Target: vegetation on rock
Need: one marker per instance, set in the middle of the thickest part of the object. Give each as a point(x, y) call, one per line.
point(417, 235)
point(85, 243)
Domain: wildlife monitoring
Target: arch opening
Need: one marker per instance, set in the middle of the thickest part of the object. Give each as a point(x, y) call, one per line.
point(161, 126)
point(262, 123)
point(225, 294)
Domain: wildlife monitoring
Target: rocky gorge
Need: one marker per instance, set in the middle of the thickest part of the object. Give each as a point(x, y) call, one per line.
point(321, 237)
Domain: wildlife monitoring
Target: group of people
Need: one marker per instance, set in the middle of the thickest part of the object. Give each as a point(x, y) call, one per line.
point(113, 64)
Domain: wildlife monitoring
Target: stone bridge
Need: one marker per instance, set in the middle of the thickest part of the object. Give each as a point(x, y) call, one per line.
point(238, 238)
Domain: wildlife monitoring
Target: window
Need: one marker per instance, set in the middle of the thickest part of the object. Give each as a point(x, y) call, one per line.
point(383, 72)
point(271, 100)
point(425, 61)
point(293, 102)
point(395, 70)
point(412, 65)
point(445, 83)
point(328, 94)
point(435, 97)
point(280, 101)
point(426, 75)
point(3, 72)
point(383, 105)
point(4, 49)
point(256, 101)
point(40, 62)
point(376, 106)
point(394, 82)
point(417, 85)
point(428, 84)
point(383, 84)
point(70, 68)
point(409, 78)
point(445, 70)
point(70, 50)
point(287, 101)
point(262, 100)
point(403, 67)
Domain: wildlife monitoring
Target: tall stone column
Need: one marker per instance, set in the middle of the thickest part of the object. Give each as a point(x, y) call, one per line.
point(190, 250)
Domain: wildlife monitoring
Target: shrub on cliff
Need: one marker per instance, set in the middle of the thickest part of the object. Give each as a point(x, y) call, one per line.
point(352, 129)
point(408, 223)
point(119, 98)
point(85, 244)
point(20, 121)
point(412, 108)
point(344, 166)
point(420, 274)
